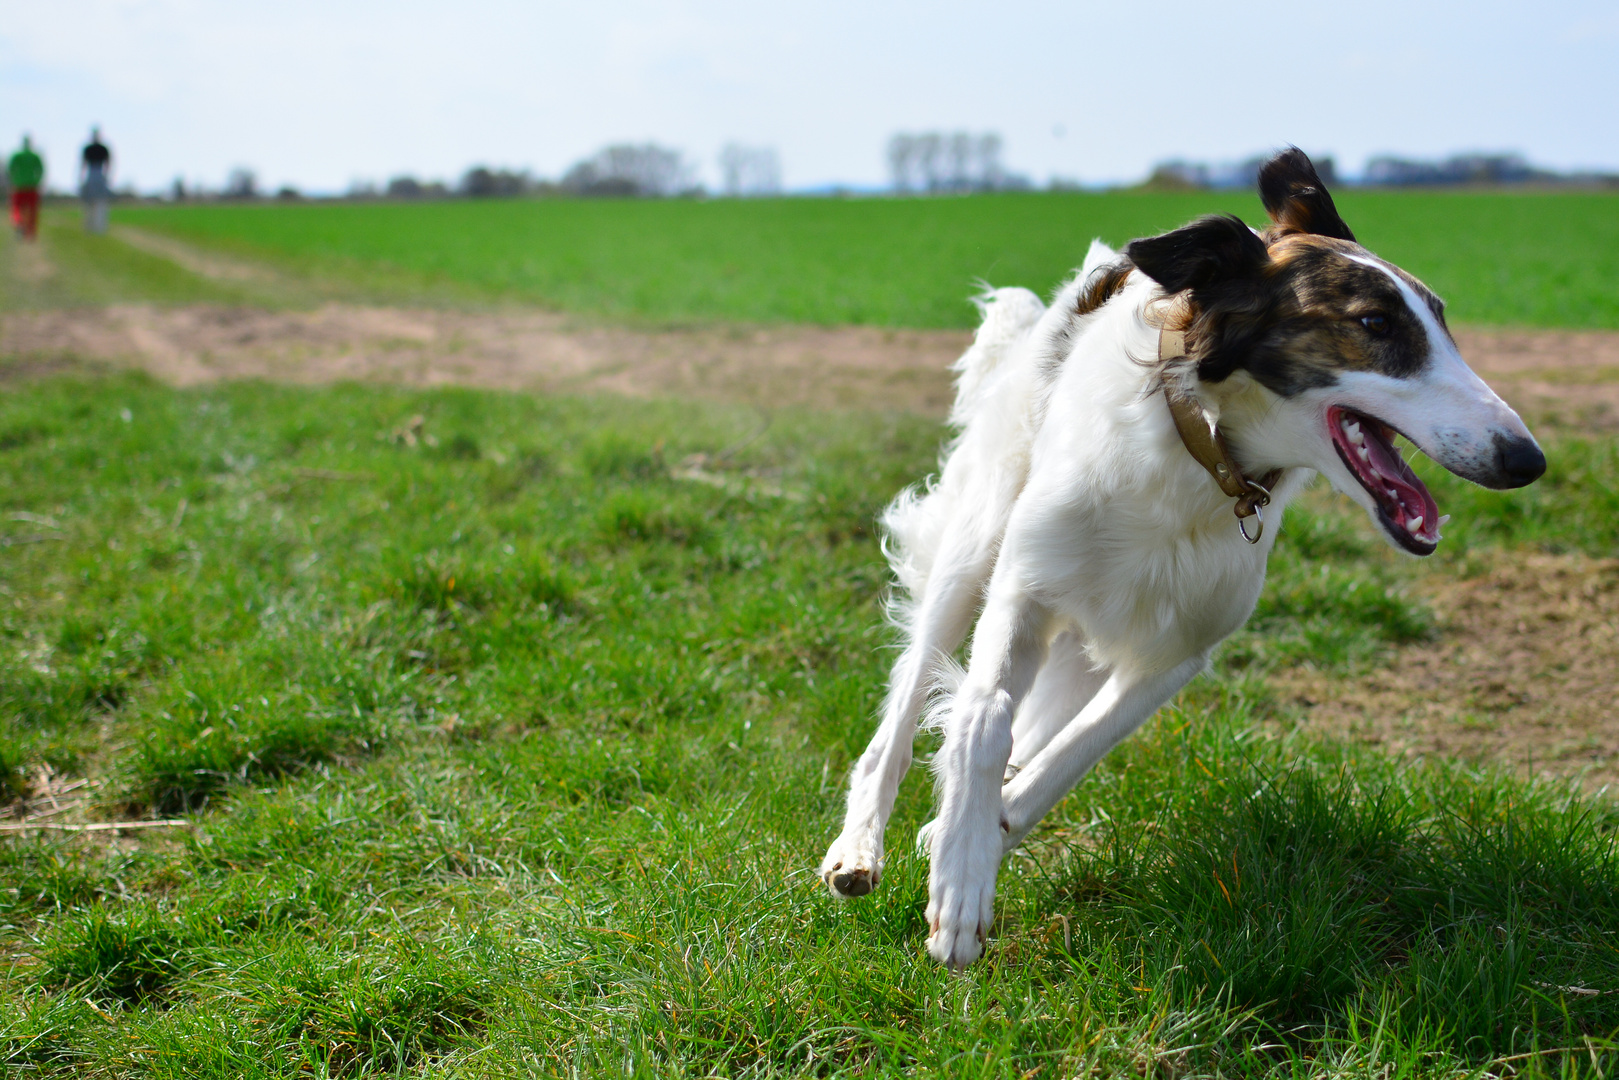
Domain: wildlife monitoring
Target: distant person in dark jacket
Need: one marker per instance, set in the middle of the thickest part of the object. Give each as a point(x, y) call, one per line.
point(26, 171)
point(95, 184)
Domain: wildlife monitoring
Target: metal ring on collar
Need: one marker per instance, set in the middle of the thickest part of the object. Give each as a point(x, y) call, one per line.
point(1242, 523)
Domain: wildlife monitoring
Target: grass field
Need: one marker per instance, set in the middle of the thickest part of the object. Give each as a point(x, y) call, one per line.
point(72, 269)
point(1519, 259)
point(505, 752)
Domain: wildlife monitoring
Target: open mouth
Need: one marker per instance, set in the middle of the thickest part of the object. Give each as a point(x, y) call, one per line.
point(1405, 508)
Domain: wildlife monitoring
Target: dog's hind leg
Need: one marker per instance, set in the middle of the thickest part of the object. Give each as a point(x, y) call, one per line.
point(854, 863)
point(1119, 707)
point(1067, 681)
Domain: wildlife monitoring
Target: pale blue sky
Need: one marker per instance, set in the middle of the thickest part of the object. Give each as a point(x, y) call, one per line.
point(319, 94)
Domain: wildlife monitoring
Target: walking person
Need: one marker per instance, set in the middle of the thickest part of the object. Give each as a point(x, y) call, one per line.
point(95, 184)
point(26, 170)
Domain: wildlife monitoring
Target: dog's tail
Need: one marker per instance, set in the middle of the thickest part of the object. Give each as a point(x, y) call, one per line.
point(1008, 315)
point(974, 487)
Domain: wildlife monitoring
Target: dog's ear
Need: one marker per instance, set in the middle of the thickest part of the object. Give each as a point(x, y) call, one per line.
point(1296, 199)
point(1209, 250)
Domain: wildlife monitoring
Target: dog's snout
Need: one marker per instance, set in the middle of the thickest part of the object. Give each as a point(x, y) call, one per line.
point(1518, 461)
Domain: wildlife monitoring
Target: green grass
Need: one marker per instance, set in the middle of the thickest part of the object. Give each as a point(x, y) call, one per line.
point(70, 268)
point(508, 754)
point(1529, 259)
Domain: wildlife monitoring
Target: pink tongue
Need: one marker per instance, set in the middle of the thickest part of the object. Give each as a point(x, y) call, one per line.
point(1414, 497)
point(1384, 459)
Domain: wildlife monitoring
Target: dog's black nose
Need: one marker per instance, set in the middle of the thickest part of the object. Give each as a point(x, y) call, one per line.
point(1518, 461)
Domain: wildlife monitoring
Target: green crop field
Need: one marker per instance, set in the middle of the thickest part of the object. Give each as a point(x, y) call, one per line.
point(1518, 259)
point(505, 752)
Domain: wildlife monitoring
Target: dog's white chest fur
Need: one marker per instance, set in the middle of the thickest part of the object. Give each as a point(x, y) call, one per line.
point(1117, 529)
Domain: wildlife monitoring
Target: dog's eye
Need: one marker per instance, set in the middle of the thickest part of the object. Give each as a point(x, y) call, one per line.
point(1376, 325)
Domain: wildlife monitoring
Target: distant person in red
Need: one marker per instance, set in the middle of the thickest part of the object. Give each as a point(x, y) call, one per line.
point(27, 171)
point(95, 183)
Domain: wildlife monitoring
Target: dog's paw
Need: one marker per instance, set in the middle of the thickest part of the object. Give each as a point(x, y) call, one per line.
point(959, 918)
point(853, 865)
point(961, 889)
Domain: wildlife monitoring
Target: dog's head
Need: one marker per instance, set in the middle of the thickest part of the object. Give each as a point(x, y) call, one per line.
point(1356, 348)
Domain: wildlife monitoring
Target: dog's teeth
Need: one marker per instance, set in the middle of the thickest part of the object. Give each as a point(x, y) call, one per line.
point(1444, 519)
point(1415, 524)
point(1352, 430)
point(1363, 453)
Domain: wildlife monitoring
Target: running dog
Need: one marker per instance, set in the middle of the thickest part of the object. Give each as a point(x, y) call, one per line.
point(1084, 511)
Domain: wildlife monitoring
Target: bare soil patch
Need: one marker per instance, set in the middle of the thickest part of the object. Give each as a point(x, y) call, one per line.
point(31, 264)
point(1524, 673)
point(769, 366)
point(1566, 376)
point(1570, 377)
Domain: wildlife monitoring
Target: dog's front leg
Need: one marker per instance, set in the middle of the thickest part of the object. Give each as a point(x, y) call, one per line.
point(854, 863)
point(964, 841)
point(1122, 705)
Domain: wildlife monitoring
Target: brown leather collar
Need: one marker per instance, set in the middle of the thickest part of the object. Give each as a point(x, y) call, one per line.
point(1201, 436)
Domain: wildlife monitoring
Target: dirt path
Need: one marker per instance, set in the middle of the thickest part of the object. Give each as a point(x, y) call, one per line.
point(810, 366)
point(1570, 376)
point(199, 261)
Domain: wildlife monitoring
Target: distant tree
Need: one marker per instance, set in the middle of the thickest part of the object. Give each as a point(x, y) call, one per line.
point(955, 161)
point(404, 187)
point(242, 183)
point(928, 147)
point(1461, 169)
point(626, 169)
point(288, 193)
point(482, 182)
point(177, 191)
point(408, 187)
point(1178, 175)
point(586, 179)
point(960, 151)
point(901, 160)
point(987, 153)
point(750, 170)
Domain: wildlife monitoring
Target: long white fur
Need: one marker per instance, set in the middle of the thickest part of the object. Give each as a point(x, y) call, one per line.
point(1101, 561)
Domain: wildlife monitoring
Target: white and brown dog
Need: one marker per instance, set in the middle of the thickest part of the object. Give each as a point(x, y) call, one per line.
point(1084, 513)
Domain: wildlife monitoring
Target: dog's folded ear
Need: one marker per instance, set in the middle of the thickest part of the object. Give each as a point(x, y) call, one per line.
point(1209, 250)
point(1296, 199)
